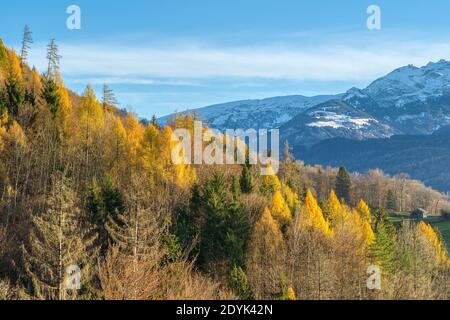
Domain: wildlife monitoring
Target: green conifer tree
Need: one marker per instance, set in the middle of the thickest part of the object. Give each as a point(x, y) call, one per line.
point(245, 181)
point(343, 185)
point(390, 200)
point(240, 285)
point(226, 229)
point(50, 94)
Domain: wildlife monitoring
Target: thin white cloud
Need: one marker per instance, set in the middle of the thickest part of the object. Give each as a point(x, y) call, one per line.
point(186, 63)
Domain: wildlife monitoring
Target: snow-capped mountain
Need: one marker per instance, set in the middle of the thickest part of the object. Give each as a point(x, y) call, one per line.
point(411, 84)
point(409, 100)
point(331, 119)
point(414, 100)
point(266, 113)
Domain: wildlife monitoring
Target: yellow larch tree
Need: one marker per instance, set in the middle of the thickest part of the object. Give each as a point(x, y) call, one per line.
point(64, 114)
point(362, 227)
point(336, 211)
point(150, 150)
point(183, 175)
point(291, 198)
point(290, 294)
point(117, 145)
point(430, 236)
point(90, 111)
point(364, 211)
point(269, 182)
point(15, 70)
point(265, 257)
point(135, 135)
point(280, 209)
point(34, 84)
point(311, 216)
point(3, 61)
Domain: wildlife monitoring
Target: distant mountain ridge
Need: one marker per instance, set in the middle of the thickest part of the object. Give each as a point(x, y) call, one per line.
point(408, 100)
point(264, 113)
point(399, 123)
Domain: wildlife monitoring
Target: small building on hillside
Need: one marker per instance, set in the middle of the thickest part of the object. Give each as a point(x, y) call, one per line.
point(419, 214)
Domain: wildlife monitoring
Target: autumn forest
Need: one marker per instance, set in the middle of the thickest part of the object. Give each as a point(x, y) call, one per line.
point(87, 186)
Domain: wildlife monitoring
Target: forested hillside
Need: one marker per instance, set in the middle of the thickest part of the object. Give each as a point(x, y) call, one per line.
point(83, 184)
point(423, 157)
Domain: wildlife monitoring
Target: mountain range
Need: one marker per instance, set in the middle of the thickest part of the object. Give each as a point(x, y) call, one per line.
point(409, 101)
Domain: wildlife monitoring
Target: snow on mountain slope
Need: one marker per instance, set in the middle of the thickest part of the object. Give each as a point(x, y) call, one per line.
point(409, 100)
point(334, 118)
point(408, 84)
point(414, 100)
point(267, 113)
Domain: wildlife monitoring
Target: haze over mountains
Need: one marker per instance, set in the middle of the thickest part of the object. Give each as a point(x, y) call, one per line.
point(409, 101)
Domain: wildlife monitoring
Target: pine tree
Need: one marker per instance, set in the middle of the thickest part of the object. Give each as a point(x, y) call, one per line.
point(155, 123)
point(135, 231)
point(53, 60)
point(14, 97)
point(3, 103)
point(50, 94)
point(3, 57)
point(235, 188)
point(291, 197)
point(240, 284)
point(343, 185)
point(14, 91)
point(104, 203)
point(56, 241)
point(383, 249)
point(109, 98)
point(95, 205)
point(33, 88)
point(390, 200)
point(226, 229)
point(246, 180)
point(27, 40)
point(186, 225)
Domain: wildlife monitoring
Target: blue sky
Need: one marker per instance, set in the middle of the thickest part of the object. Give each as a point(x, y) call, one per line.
point(163, 56)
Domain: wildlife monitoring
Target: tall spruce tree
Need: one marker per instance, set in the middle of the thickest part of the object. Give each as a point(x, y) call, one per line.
point(50, 93)
point(103, 203)
point(108, 98)
point(226, 229)
point(27, 40)
point(240, 284)
point(55, 243)
point(53, 58)
point(390, 200)
point(14, 96)
point(383, 250)
point(245, 180)
point(343, 185)
point(3, 102)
